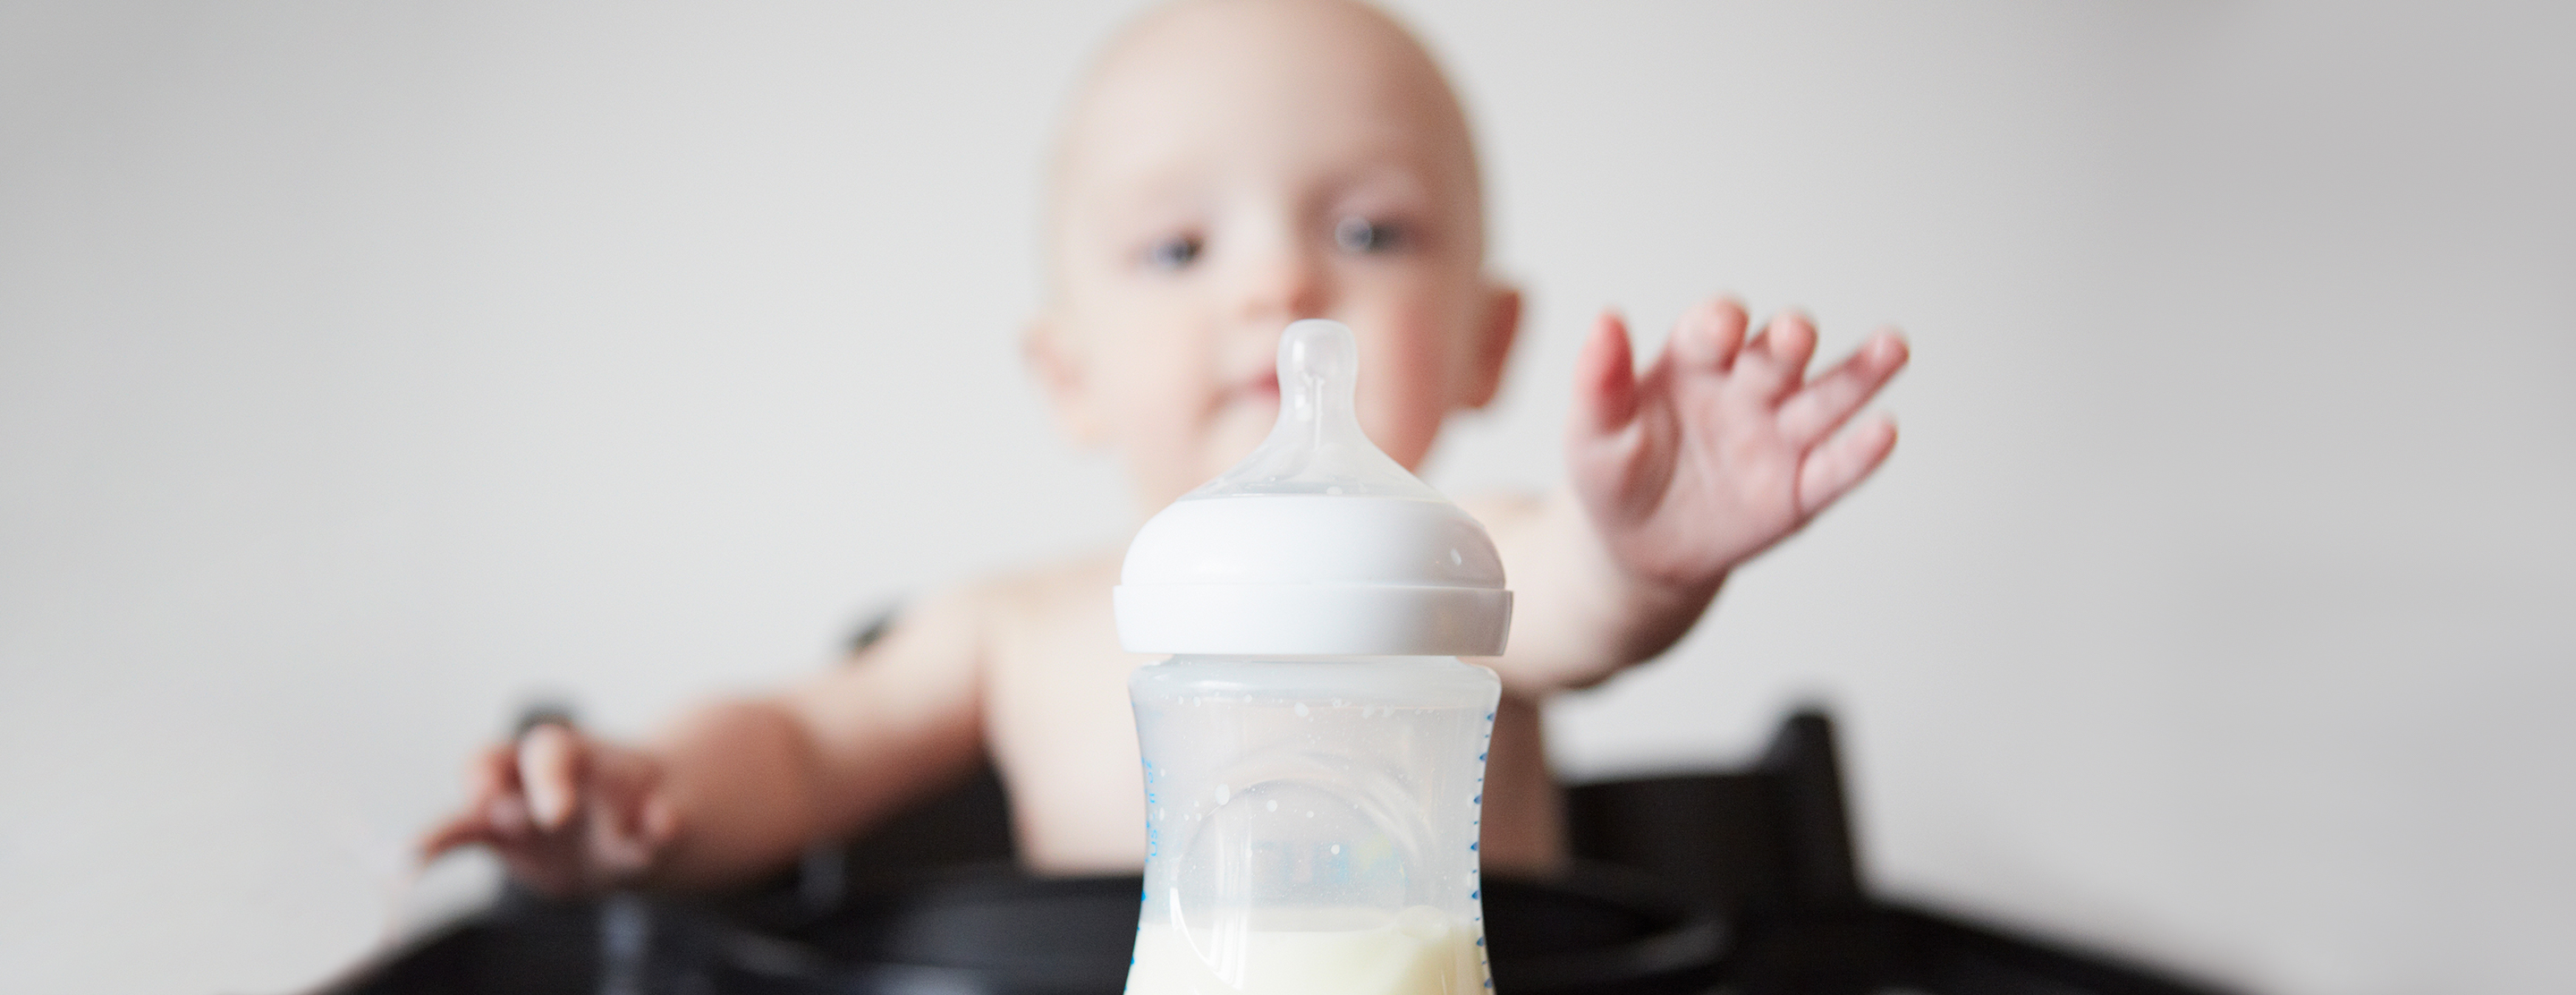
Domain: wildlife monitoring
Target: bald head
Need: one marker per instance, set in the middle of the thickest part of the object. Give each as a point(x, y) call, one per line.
point(1257, 78)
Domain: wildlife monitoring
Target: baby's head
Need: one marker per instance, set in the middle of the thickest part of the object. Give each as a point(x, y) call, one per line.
point(1233, 165)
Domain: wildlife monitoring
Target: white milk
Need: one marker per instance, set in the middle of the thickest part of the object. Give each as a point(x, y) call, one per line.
point(1419, 951)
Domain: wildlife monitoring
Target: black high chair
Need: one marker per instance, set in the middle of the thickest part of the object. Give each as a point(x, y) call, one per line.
point(1736, 881)
point(1770, 848)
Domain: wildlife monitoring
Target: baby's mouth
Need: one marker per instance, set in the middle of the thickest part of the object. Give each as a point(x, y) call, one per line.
point(1263, 388)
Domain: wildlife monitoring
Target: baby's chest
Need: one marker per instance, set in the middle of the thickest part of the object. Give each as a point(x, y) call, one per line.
point(1058, 701)
point(1063, 735)
point(1060, 695)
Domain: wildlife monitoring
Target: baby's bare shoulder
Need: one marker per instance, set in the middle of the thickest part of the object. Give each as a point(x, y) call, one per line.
point(998, 616)
point(1503, 510)
point(1042, 603)
point(1502, 504)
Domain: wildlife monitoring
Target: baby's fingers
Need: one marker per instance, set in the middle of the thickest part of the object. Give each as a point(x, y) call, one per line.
point(1834, 468)
point(1709, 336)
point(492, 814)
point(624, 843)
point(1792, 341)
point(1605, 380)
point(1827, 401)
point(551, 759)
point(1775, 362)
point(466, 829)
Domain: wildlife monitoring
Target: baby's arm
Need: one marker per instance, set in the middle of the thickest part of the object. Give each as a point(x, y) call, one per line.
point(1713, 453)
point(737, 788)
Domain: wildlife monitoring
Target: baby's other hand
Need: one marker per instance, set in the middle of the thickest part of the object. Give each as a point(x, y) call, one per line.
point(568, 813)
point(1722, 447)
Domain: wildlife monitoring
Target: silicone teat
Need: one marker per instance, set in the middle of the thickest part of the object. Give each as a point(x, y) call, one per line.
point(1317, 446)
point(1309, 573)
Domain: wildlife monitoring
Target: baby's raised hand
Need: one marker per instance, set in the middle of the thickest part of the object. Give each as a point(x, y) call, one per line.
point(567, 813)
point(1722, 447)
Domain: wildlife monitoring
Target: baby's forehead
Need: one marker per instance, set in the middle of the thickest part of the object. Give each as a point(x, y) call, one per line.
point(1265, 81)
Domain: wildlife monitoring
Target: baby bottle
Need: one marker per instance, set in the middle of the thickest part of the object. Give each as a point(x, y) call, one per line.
point(1314, 750)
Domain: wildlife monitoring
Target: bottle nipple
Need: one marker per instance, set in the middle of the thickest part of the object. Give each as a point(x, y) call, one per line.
point(1350, 556)
point(1317, 446)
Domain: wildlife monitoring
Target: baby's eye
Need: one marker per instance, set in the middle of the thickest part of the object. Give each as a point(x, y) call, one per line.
point(1172, 252)
point(1357, 234)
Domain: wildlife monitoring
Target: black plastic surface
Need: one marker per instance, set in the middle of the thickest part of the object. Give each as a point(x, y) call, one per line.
point(1740, 881)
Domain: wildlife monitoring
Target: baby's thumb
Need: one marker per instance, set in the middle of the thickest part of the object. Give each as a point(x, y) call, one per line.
point(550, 761)
point(1605, 380)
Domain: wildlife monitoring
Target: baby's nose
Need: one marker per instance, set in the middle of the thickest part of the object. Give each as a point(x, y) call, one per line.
point(1282, 286)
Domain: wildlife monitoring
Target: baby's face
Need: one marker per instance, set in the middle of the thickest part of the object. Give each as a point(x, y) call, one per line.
point(1240, 165)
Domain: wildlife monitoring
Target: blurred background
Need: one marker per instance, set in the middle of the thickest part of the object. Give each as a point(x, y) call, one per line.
point(367, 370)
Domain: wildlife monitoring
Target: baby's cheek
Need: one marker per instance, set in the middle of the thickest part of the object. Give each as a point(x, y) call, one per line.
point(1403, 417)
point(1404, 388)
point(1233, 438)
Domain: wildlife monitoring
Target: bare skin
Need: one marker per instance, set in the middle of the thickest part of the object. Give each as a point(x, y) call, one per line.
point(1230, 167)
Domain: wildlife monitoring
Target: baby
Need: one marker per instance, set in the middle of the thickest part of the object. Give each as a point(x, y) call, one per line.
point(1230, 166)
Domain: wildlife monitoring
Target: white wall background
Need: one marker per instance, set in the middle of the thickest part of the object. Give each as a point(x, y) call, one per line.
point(365, 369)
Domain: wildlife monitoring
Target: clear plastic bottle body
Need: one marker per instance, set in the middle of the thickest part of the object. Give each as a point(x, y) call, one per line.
point(1311, 825)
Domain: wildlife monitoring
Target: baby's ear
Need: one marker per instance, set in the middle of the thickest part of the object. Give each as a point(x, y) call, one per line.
point(1494, 334)
point(1047, 347)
